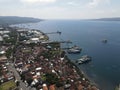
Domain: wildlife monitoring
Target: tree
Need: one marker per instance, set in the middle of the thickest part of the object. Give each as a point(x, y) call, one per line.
point(8, 52)
point(51, 78)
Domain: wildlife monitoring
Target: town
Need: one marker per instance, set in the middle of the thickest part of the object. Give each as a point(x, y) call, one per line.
point(28, 61)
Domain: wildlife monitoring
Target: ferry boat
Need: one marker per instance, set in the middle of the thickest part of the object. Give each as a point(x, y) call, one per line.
point(84, 59)
point(74, 50)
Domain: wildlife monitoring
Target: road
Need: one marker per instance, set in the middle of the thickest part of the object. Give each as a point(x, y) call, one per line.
point(22, 85)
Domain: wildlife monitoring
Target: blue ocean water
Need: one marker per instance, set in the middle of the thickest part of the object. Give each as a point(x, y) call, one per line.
point(104, 69)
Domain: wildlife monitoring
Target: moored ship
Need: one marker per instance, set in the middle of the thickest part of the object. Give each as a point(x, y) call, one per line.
point(74, 50)
point(84, 59)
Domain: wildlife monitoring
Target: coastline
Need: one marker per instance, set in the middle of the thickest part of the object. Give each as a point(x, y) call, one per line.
point(79, 71)
point(82, 43)
point(82, 73)
point(82, 68)
point(90, 79)
point(82, 80)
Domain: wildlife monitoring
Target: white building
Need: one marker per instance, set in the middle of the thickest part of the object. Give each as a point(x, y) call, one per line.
point(1, 38)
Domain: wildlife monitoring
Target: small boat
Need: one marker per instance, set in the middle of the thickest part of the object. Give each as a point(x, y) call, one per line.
point(84, 59)
point(74, 50)
point(104, 41)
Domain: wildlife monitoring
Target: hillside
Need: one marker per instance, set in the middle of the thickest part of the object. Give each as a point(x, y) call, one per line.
point(108, 19)
point(16, 20)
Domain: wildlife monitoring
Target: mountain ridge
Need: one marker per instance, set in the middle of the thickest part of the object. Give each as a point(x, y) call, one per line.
point(17, 20)
point(108, 19)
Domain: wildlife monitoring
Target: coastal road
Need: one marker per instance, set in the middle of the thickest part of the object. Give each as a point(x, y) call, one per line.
point(22, 85)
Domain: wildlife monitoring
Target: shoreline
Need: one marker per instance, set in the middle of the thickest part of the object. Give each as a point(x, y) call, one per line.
point(81, 68)
point(79, 71)
point(81, 80)
point(90, 79)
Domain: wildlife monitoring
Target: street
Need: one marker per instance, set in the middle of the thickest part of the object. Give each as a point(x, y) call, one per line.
point(22, 85)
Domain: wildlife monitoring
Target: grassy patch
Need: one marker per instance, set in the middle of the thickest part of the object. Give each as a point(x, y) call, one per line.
point(8, 85)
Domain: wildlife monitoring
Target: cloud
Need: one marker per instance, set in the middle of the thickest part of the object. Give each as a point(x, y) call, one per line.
point(72, 3)
point(38, 1)
point(95, 3)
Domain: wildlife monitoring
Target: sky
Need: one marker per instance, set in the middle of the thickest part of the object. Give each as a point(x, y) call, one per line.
point(61, 9)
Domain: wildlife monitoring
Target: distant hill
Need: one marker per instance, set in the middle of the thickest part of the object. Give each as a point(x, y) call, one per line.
point(17, 20)
point(108, 19)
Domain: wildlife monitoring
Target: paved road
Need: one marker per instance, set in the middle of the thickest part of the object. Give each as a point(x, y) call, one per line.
point(17, 76)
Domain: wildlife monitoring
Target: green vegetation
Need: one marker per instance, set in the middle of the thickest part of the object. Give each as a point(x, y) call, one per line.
point(51, 78)
point(43, 77)
point(0, 70)
point(8, 85)
point(53, 51)
point(45, 38)
point(8, 52)
point(22, 38)
point(11, 40)
point(4, 20)
point(55, 44)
